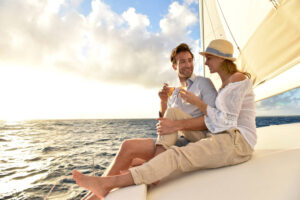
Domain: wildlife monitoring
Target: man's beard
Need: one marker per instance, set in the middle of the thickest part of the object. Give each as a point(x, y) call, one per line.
point(185, 74)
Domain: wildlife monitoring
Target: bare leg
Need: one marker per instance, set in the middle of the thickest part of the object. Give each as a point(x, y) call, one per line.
point(137, 162)
point(100, 186)
point(130, 149)
point(159, 149)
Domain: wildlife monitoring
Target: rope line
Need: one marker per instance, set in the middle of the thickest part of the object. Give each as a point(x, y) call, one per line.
point(228, 27)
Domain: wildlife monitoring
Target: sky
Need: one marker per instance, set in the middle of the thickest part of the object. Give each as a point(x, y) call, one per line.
point(87, 59)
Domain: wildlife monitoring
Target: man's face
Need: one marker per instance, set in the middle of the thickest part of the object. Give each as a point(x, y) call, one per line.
point(184, 64)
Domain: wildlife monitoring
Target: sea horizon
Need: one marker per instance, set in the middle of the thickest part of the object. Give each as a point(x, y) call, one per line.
point(133, 118)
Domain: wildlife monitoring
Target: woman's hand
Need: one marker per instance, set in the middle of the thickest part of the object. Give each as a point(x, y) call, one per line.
point(166, 126)
point(193, 99)
point(189, 97)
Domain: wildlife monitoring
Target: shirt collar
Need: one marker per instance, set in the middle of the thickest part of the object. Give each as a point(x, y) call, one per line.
point(190, 80)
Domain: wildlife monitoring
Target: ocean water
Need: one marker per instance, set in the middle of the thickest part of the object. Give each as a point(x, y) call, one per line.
point(35, 155)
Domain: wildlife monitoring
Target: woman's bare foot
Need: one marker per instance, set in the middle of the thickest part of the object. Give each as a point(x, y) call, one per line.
point(95, 184)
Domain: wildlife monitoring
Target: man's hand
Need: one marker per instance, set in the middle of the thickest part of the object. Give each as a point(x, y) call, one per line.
point(163, 93)
point(166, 126)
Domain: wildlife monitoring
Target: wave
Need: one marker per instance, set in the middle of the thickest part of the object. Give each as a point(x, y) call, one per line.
point(107, 154)
point(103, 140)
point(4, 140)
point(33, 159)
point(30, 174)
point(15, 168)
point(8, 174)
point(50, 149)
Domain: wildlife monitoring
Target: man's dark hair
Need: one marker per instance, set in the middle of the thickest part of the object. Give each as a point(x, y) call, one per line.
point(180, 48)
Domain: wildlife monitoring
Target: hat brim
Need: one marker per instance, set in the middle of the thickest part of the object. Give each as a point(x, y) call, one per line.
point(227, 58)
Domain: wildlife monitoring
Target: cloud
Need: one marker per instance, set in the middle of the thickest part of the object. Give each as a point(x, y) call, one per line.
point(189, 2)
point(134, 20)
point(284, 104)
point(177, 20)
point(104, 45)
point(103, 16)
point(75, 3)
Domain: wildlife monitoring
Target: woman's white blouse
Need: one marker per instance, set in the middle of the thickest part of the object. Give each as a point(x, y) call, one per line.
point(235, 108)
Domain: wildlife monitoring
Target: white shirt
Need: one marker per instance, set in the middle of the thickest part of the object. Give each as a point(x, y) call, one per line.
point(202, 87)
point(235, 108)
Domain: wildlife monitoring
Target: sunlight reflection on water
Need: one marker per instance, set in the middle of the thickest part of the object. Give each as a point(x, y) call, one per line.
point(36, 154)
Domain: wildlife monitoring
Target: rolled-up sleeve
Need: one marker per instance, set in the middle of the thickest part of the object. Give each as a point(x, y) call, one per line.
point(228, 105)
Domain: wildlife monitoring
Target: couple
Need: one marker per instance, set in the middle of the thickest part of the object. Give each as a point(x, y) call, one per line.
point(229, 118)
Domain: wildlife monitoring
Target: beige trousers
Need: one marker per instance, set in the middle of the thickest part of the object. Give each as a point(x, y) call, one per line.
point(169, 140)
point(212, 151)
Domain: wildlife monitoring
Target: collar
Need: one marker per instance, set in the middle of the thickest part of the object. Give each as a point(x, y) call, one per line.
point(190, 80)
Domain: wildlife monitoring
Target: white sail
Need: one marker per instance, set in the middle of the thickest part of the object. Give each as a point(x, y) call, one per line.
point(267, 34)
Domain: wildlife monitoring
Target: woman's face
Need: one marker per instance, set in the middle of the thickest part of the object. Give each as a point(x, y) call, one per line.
point(213, 63)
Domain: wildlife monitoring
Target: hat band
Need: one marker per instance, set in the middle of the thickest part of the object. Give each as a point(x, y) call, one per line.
point(217, 52)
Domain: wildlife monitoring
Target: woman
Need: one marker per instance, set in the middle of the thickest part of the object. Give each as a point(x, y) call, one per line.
point(231, 124)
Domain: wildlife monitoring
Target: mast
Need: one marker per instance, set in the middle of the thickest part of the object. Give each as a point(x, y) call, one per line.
point(201, 20)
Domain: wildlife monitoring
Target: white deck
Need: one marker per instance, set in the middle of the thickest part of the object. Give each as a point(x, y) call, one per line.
point(272, 174)
point(134, 192)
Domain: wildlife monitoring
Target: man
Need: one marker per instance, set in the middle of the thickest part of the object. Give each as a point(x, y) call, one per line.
point(183, 63)
point(134, 152)
point(175, 108)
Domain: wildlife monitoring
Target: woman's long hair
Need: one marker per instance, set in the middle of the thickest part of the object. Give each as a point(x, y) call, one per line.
point(230, 67)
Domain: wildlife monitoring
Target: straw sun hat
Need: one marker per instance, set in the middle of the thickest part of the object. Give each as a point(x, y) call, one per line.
point(220, 48)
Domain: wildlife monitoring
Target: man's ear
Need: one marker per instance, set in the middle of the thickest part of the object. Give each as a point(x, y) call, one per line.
point(174, 67)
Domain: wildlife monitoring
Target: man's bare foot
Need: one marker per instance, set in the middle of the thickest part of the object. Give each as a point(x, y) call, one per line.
point(95, 184)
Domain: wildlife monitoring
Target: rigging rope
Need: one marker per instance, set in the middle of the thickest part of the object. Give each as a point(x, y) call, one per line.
point(275, 3)
point(210, 19)
point(228, 27)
